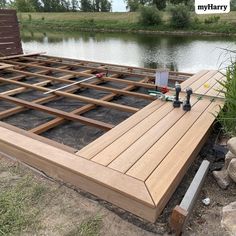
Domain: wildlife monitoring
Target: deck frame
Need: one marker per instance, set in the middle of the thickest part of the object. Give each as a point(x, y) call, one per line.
point(132, 192)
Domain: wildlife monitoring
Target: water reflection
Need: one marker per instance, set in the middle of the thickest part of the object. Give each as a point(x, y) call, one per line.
point(183, 53)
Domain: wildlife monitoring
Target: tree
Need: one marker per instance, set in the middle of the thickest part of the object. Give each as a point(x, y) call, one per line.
point(149, 16)
point(160, 4)
point(36, 4)
point(95, 5)
point(23, 5)
point(3, 3)
point(74, 5)
point(105, 6)
point(86, 5)
point(133, 5)
point(180, 16)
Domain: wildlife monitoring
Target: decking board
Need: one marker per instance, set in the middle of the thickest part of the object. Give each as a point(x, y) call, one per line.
point(138, 164)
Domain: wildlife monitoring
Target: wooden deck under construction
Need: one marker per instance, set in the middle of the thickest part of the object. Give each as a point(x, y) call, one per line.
point(137, 164)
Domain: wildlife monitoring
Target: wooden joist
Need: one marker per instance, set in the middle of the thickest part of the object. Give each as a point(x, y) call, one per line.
point(57, 121)
point(144, 180)
point(76, 73)
point(59, 113)
point(74, 96)
point(112, 69)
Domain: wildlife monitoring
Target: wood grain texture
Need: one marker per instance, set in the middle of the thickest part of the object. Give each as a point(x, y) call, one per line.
point(124, 191)
point(10, 42)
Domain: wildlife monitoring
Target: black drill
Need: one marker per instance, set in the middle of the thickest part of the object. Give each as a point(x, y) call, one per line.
point(177, 102)
point(186, 104)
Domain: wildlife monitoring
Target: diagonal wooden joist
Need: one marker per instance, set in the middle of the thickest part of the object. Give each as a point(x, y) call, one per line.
point(70, 73)
point(57, 121)
point(129, 72)
point(73, 96)
point(53, 111)
point(129, 68)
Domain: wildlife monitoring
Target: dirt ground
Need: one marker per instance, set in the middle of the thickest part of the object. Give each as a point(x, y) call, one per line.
point(63, 210)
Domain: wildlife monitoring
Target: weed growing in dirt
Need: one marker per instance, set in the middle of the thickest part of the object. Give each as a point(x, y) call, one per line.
point(90, 227)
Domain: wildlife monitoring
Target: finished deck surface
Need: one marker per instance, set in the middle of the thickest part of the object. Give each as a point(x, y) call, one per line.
point(138, 164)
point(157, 144)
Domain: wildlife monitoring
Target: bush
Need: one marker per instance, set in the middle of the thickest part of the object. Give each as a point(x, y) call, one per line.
point(180, 16)
point(212, 19)
point(149, 16)
point(227, 116)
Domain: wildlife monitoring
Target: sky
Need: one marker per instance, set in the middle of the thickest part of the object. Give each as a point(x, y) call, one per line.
point(118, 5)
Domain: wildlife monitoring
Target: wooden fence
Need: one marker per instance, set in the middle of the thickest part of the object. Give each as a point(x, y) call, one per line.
point(10, 41)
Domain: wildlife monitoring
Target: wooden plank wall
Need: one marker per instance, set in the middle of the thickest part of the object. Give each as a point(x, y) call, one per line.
point(10, 41)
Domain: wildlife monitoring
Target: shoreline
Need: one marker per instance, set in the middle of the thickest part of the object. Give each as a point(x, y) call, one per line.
point(138, 31)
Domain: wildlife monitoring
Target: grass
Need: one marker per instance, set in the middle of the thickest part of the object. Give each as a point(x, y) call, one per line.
point(18, 206)
point(89, 227)
point(227, 116)
point(30, 206)
point(127, 21)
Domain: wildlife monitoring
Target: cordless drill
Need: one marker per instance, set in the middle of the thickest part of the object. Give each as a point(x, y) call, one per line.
point(186, 104)
point(177, 102)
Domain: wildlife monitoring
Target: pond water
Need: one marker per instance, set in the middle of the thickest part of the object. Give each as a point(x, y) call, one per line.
point(181, 53)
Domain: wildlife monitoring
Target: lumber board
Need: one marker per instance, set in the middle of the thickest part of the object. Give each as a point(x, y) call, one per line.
point(116, 65)
point(177, 165)
point(4, 66)
point(58, 121)
point(121, 190)
point(154, 124)
point(37, 137)
point(153, 157)
point(102, 142)
point(20, 55)
point(122, 70)
point(121, 143)
point(74, 96)
point(198, 79)
point(130, 166)
point(74, 73)
point(53, 111)
point(15, 110)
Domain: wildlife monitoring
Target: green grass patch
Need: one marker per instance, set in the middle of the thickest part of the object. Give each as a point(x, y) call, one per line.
point(89, 227)
point(125, 21)
point(18, 205)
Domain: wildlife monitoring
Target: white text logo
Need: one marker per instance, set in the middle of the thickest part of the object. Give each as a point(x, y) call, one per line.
point(212, 6)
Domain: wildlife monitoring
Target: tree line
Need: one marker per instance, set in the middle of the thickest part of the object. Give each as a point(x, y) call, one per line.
point(134, 5)
point(58, 5)
point(90, 5)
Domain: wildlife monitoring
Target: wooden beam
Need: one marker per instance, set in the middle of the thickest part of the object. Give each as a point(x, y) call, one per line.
point(77, 97)
point(4, 66)
point(22, 55)
point(76, 73)
point(57, 121)
point(116, 65)
point(37, 137)
point(127, 72)
point(53, 111)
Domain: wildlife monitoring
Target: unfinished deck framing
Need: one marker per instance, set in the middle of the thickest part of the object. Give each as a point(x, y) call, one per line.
point(135, 165)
